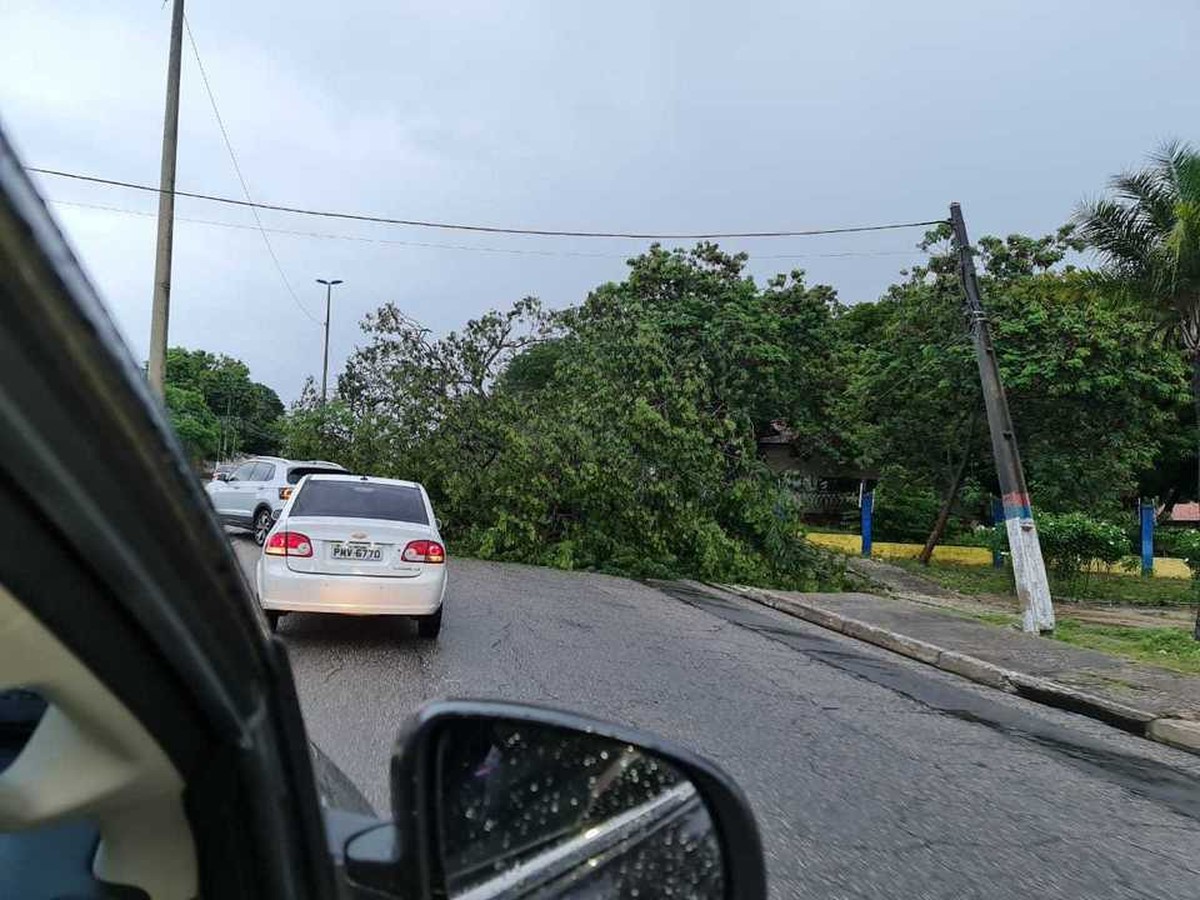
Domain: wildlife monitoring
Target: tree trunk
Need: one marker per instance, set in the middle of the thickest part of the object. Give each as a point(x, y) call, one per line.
point(939, 526)
point(1196, 406)
point(1164, 516)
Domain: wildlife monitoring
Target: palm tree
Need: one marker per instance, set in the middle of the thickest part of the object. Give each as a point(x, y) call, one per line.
point(1148, 236)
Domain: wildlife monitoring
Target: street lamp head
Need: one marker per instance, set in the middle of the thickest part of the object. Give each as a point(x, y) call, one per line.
point(323, 281)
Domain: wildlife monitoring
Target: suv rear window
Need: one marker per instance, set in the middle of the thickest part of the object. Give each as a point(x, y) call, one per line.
point(297, 472)
point(360, 500)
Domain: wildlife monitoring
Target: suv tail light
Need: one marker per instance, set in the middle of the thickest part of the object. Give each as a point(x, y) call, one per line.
point(285, 492)
point(288, 543)
point(424, 551)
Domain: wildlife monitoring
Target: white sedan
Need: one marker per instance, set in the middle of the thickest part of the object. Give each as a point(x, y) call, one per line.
point(358, 546)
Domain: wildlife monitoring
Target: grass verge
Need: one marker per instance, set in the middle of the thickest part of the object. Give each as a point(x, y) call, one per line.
point(1131, 590)
point(1171, 648)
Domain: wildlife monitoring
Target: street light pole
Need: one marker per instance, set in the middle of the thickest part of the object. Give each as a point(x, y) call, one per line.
point(325, 365)
point(160, 311)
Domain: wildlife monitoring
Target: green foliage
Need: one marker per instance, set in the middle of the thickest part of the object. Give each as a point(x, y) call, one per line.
point(1126, 589)
point(616, 436)
point(1096, 404)
point(1148, 233)
point(196, 427)
point(1073, 544)
point(1181, 543)
point(619, 434)
point(904, 507)
point(246, 413)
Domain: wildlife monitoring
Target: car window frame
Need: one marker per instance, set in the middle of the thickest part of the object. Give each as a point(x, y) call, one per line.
point(307, 470)
point(309, 483)
point(260, 475)
point(248, 466)
point(178, 639)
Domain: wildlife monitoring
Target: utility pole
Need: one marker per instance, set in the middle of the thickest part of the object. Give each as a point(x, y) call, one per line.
point(225, 427)
point(160, 312)
point(1029, 570)
point(325, 366)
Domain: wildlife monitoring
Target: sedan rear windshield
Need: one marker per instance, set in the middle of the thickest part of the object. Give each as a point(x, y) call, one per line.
point(297, 472)
point(361, 500)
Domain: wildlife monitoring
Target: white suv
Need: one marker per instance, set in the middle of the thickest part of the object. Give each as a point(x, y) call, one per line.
point(254, 493)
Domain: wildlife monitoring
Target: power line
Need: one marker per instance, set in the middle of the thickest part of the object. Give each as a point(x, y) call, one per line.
point(238, 169)
point(469, 247)
point(488, 229)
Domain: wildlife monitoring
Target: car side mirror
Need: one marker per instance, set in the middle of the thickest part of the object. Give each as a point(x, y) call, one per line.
point(495, 799)
point(220, 476)
point(437, 523)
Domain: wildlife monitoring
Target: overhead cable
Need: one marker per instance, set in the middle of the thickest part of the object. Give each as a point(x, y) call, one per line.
point(241, 178)
point(469, 247)
point(488, 229)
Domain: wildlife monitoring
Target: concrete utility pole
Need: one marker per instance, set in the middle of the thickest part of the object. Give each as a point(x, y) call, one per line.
point(325, 366)
point(1029, 570)
point(160, 312)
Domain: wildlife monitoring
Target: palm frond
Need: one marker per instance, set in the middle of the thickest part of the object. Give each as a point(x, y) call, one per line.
point(1188, 177)
point(1169, 158)
point(1148, 236)
point(1121, 234)
point(1151, 194)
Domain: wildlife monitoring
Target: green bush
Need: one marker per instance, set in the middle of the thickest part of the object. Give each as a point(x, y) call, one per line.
point(1073, 543)
point(903, 516)
point(1184, 544)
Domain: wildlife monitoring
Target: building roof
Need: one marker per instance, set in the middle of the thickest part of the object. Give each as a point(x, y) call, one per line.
point(1185, 512)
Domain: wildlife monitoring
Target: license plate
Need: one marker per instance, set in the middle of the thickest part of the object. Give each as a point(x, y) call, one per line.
point(356, 552)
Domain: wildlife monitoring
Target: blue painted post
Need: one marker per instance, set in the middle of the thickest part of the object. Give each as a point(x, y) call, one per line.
point(1147, 538)
point(997, 527)
point(868, 506)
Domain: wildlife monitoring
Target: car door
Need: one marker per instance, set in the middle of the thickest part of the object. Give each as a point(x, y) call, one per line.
point(229, 497)
point(253, 491)
point(171, 760)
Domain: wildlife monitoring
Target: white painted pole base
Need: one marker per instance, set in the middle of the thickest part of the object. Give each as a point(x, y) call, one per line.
point(1029, 572)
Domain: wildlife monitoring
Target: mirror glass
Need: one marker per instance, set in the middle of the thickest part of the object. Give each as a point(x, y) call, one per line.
point(524, 807)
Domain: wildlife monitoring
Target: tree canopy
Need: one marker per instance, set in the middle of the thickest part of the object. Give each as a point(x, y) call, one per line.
point(216, 408)
point(621, 433)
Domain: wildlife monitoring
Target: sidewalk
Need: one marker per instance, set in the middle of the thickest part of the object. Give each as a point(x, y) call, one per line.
point(1139, 698)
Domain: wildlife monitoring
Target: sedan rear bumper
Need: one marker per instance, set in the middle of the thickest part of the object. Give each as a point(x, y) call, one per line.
point(280, 589)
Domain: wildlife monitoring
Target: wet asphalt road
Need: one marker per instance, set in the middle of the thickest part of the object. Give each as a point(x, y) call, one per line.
point(870, 775)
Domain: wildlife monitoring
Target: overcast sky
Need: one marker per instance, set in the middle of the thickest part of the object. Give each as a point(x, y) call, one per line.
point(652, 116)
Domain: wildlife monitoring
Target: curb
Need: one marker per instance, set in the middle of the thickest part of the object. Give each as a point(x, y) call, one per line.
point(1183, 734)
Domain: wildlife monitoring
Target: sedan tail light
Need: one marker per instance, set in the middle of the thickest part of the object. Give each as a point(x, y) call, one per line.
point(288, 543)
point(424, 551)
